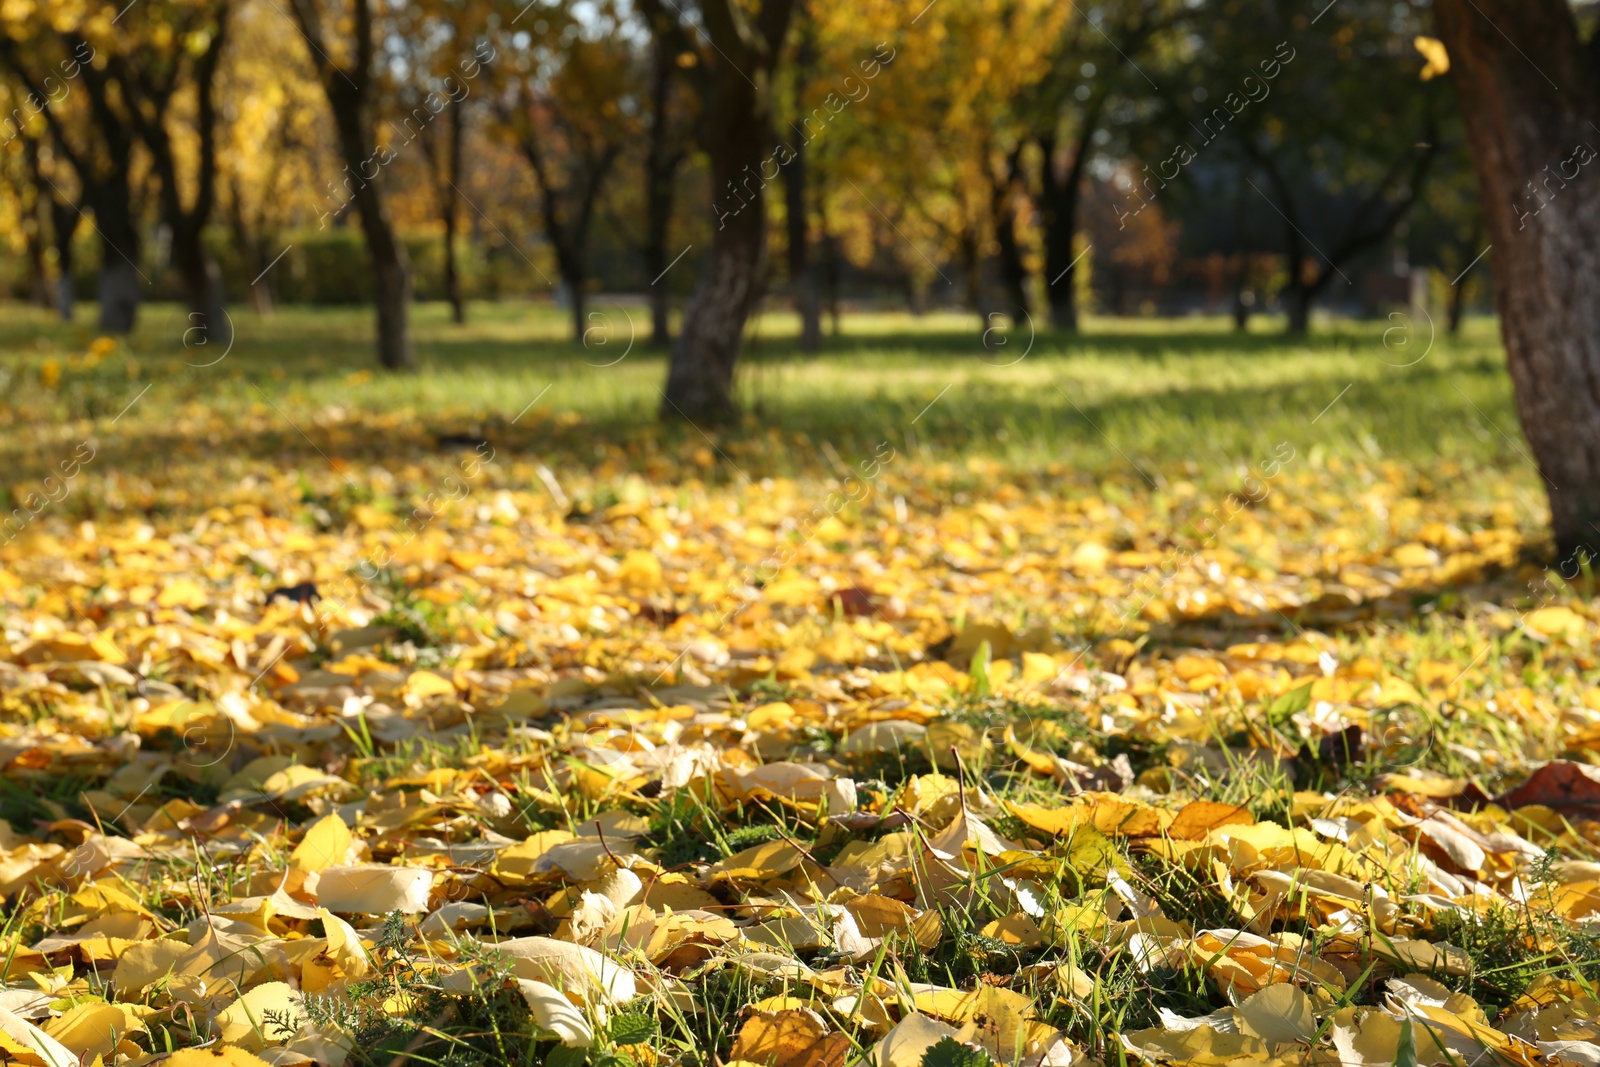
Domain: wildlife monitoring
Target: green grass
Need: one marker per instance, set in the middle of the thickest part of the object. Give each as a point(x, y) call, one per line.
point(1139, 404)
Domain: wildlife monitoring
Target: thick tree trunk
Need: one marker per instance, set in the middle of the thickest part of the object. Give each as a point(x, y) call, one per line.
point(349, 94)
point(391, 267)
point(208, 322)
point(1058, 210)
point(119, 285)
point(735, 130)
point(700, 378)
point(1528, 128)
point(392, 295)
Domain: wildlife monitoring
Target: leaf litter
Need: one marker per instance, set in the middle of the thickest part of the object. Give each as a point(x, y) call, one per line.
point(969, 769)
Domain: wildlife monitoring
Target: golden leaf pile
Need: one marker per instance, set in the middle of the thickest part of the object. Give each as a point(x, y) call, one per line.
point(338, 766)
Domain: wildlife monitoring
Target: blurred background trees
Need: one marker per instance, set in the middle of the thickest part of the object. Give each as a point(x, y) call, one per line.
point(1024, 160)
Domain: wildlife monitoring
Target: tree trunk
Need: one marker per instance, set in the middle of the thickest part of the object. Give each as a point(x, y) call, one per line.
point(1528, 127)
point(1013, 273)
point(392, 295)
point(391, 267)
point(118, 290)
point(661, 169)
point(452, 273)
point(1297, 301)
point(575, 280)
point(64, 220)
point(1058, 209)
point(802, 276)
point(1243, 298)
point(1458, 307)
point(208, 322)
point(700, 378)
point(452, 277)
point(735, 130)
point(349, 92)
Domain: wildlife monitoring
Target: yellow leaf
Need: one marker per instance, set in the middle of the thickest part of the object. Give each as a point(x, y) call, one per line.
point(1199, 817)
point(423, 684)
point(1433, 51)
point(90, 1029)
point(182, 593)
point(1279, 1013)
point(324, 845)
point(552, 1011)
point(216, 1056)
point(639, 572)
point(244, 1022)
point(1555, 622)
point(371, 889)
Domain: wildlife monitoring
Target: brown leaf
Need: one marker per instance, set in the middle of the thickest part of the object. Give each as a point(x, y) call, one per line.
point(1558, 784)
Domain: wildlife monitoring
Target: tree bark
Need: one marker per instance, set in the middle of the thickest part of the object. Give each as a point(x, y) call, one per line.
point(349, 92)
point(64, 220)
point(736, 132)
point(1013, 272)
point(1243, 298)
point(1528, 126)
point(700, 377)
point(451, 211)
point(1059, 198)
point(118, 287)
point(802, 274)
point(662, 158)
point(31, 199)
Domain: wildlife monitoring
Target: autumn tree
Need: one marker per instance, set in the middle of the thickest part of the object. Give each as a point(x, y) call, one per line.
point(435, 70)
point(184, 52)
point(736, 60)
point(272, 149)
point(952, 190)
point(1093, 73)
point(1529, 90)
point(1336, 137)
point(47, 50)
point(343, 38)
point(667, 146)
point(566, 97)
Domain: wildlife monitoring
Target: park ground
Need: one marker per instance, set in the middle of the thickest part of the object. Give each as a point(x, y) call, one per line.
point(1042, 694)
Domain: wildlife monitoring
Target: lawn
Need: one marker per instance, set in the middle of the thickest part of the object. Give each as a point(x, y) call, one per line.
point(1036, 694)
